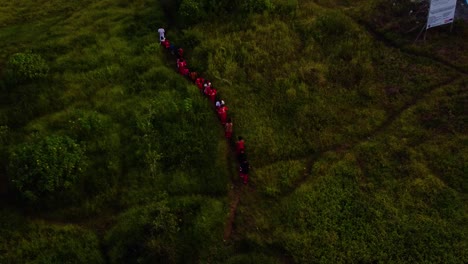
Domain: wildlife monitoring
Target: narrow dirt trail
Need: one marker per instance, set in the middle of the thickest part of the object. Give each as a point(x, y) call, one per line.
point(234, 194)
point(234, 197)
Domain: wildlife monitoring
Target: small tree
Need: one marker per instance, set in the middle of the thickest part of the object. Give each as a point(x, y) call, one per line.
point(45, 167)
point(24, 67)
point(146, 234)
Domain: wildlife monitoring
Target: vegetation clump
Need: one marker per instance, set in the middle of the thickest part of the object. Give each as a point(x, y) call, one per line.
point(24, 67)
point(46, 167)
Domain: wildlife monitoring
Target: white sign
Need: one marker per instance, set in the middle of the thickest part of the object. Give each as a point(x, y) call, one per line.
point(441, 12)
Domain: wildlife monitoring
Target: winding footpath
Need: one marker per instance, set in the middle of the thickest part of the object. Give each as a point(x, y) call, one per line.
point(234, 192)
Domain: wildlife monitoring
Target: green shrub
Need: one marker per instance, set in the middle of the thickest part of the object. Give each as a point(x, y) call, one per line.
point(85, 125)
point(253, 258)
point(332, 27)
point(191, 11)
point(44, 244)
point(46, 167)
point(24, 67)
point(256, 6)
point(4, 135)
point(287, 7)
point(144, 235)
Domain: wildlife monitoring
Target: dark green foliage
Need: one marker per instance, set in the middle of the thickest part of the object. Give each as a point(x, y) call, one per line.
point(87, 124)
point(256, 5)
point(251, 259)
point(176, 232)
point(191, 11)
point(39, 243)
point(24, 67)
point(144, 235)
point(332, 27)
point(45, 167)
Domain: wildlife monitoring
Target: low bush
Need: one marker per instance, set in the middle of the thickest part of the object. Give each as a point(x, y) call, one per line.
point(22, 241)
point(143, 235)
point(46, 167)
point(24, 67)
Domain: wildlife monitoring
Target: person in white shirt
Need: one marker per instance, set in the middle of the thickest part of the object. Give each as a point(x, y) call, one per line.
point(161, 34)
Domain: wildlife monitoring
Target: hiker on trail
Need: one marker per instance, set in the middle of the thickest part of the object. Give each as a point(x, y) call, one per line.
point(165, 43)
point(244, 170)
point(161, 34)
point(182, 67)
point(207, 87)
point(228, 129)
point(199, 82)
point(172, 49)
point(222, 114)
point(219, 103)
point(212, 94)
point(206, 90)
point(184, 71)
point(193, 76)
point(181, 63)
point(180, 53)
point(240, 147)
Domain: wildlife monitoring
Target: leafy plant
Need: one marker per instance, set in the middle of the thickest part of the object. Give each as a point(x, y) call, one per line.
point(24, 67)
point(46, 167)
point(143, 235)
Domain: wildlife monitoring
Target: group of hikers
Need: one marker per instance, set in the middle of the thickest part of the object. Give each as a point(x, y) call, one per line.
point(207, 89)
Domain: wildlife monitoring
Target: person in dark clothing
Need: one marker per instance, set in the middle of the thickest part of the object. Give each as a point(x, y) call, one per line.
point(244, 171)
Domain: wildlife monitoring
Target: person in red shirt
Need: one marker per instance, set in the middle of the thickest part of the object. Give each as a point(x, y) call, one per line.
point(212, 95)
point(182, 66)
point(165, 43)
point(240, 147)
point(180, 53)
point(206, 87)
point(199, 82)
point(207, 90)
point(228, 129)
point(181, 63)
point(193, 76)
point(184, 71)
point(222, 114)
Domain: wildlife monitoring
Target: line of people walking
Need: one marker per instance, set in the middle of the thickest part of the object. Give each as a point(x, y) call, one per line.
point(206, 88)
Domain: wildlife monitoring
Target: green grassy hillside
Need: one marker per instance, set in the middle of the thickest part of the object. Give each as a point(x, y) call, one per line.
point(355, 133)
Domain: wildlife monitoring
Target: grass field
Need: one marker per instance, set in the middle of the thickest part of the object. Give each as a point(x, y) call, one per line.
point(356, 135)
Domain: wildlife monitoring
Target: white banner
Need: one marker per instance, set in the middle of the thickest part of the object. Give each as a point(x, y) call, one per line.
point(441, 12)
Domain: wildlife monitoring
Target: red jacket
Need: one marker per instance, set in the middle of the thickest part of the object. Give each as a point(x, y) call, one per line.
point(184, 71)
point(212, 94)
point(166, 43)
point(199, 82)
point(181, 64)
point(240, 146)
point(222, 114)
